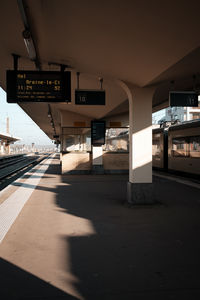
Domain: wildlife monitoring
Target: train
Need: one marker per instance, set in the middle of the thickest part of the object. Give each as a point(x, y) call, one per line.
point(176, 149)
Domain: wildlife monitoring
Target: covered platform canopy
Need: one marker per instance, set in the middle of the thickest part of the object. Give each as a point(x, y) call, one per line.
point(142, 49)
point(8, 138)
point(5, 141)
point(142, 43)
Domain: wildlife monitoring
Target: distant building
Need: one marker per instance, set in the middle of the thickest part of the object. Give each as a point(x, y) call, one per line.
point(181, 114)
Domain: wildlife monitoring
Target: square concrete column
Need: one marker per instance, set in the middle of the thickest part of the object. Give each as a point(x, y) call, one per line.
point(1, 147)
point(140, 189)
point(7, 148)
point(97, 160)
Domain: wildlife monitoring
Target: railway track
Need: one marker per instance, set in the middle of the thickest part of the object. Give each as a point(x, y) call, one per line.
point(12, 168)
point(11, 160)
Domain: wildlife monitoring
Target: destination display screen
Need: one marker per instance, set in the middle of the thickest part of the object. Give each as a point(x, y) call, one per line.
point(98, 133)
point(183, 98)
point(38, 86)
point(90, 97)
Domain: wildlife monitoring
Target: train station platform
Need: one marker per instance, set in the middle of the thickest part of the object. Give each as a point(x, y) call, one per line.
point(74, 237)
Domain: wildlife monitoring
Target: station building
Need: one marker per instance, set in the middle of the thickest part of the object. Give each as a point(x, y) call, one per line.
point(181, 114)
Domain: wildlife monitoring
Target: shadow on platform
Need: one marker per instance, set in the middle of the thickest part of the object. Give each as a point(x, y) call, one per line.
point(17, 284)
point(143, 252)
point(133, 253)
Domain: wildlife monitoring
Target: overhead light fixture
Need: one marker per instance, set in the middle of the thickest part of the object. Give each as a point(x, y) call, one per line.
point(49, 111)
point(29, 44)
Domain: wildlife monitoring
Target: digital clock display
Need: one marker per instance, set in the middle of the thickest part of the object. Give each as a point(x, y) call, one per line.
point(38, 86)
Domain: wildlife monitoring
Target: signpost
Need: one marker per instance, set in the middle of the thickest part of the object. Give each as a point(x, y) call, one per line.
point(98, 129)
point(183, 98)
point(38, 86)
point(90, 97)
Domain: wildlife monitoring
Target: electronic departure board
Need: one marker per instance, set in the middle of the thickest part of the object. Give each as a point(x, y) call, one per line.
point(38, 86)
point(183, 98)
point(98, 129)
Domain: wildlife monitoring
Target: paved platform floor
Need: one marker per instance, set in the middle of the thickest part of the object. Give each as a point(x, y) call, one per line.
point(75, 238)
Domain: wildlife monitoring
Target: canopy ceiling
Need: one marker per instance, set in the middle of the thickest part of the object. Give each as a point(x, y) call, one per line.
point(139, 42)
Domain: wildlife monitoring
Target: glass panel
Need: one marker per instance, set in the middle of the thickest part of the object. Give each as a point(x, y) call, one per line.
point(117, 140)
point(79, 139)
point(180, 147)
point(195, 146)
point(76, 139)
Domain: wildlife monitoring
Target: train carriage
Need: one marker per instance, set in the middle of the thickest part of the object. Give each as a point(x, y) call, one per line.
point(159, 148)
point(184, 147)
point(177, 148)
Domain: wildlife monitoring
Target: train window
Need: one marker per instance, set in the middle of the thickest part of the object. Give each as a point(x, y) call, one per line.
point(180, 147)
point(156, 149)
point(195, 115)
point(195, 146)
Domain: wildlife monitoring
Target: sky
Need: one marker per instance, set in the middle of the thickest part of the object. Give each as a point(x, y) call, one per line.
point(21, 125)
point(158, 115)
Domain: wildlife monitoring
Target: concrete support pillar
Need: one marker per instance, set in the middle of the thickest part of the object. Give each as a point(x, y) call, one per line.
point(187, 113)
point(7, 148)
point(1, 147)
point(82, 142)
point(97, 160)
point(4, 147)
point(77, 143)
point(140, 189)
